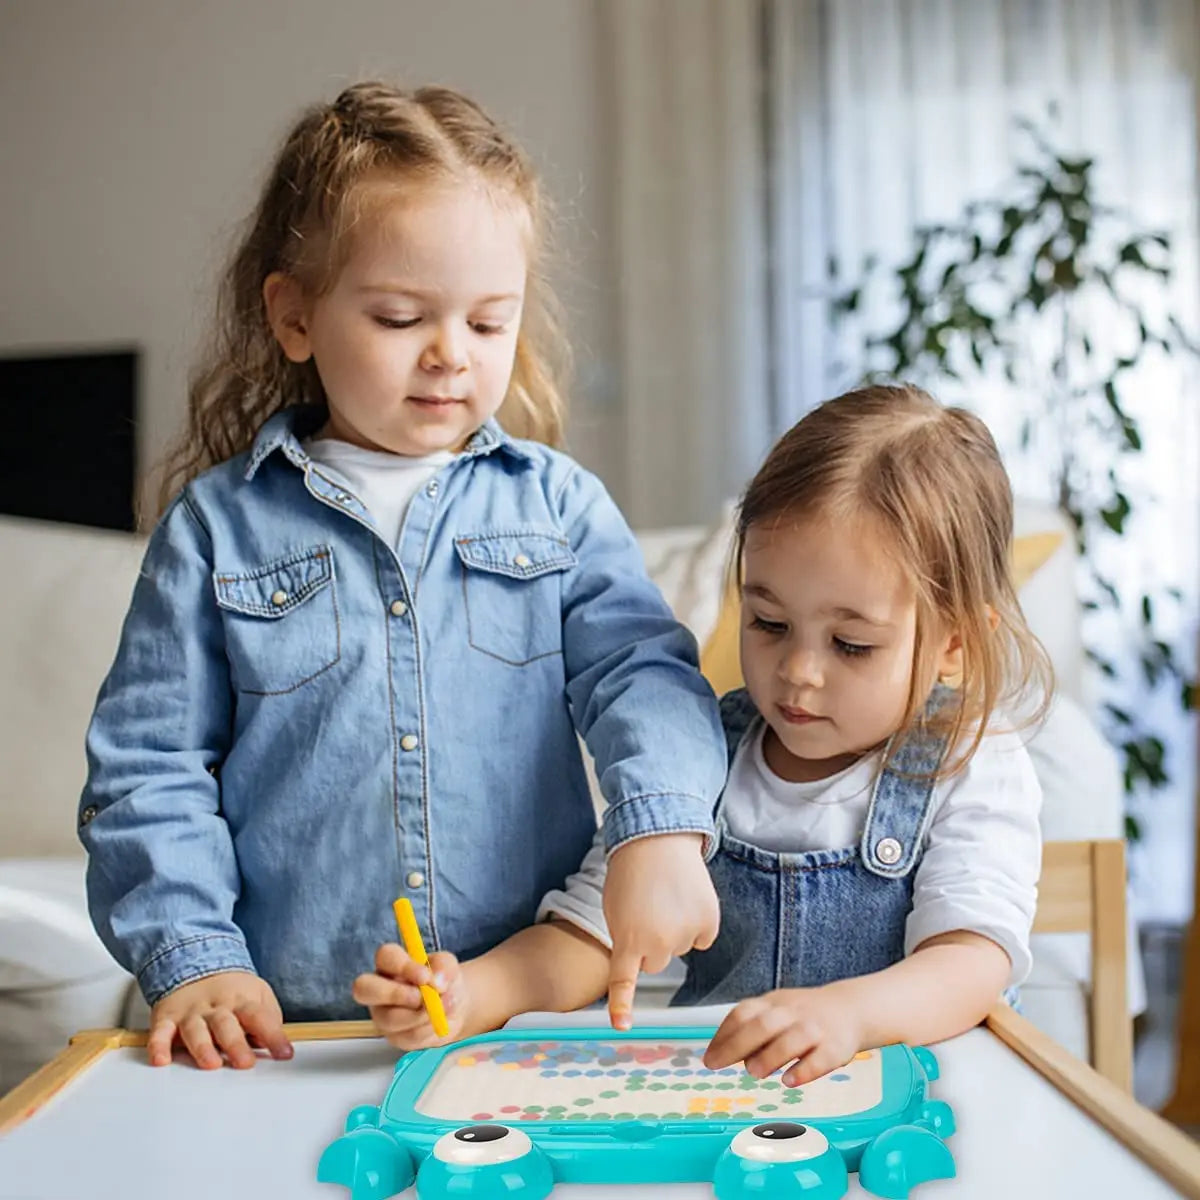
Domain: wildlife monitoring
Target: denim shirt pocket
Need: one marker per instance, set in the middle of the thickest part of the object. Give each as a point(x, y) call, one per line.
point(281, 621)
point(512, 588)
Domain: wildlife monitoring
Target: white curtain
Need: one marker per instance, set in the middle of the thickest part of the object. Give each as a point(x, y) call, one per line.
point(755, 139)
point(690, 191)
point(888, 114)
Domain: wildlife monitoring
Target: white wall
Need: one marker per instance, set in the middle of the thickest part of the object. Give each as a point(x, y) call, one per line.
point(135, 134)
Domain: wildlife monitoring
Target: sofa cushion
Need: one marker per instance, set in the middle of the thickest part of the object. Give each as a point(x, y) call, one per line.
point(46, 936)
point(55, 975)
point(58, 635)
point(37, 1023)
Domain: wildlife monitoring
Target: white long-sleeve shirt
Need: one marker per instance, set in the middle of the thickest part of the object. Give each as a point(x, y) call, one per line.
point(982, 849)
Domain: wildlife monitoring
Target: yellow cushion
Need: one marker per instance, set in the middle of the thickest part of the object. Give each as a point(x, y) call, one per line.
point(720, 657)
point(720, 660)
point(1031, 552)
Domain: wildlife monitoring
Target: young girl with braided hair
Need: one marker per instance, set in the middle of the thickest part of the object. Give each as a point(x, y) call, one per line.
point(376, 612)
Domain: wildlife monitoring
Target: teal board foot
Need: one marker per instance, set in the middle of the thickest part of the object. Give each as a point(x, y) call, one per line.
point(902, 1157)
point(371, 1163)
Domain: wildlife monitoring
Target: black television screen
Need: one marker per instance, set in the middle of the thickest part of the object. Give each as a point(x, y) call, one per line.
point(67, 443)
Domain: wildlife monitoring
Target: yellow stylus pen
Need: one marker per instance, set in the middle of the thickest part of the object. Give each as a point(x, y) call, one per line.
point(406, 922)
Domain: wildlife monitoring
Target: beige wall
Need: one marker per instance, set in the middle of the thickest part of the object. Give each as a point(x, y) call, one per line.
point(135, 132)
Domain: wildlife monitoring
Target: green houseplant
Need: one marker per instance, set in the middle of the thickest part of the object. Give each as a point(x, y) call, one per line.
point(1017, 289)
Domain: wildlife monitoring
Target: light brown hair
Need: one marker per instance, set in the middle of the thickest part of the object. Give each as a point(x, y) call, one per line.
point(930, 479)
point(314, 195)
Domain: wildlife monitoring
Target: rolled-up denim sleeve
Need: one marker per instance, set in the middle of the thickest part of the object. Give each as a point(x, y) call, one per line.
point(649, 718)
point(162, 877)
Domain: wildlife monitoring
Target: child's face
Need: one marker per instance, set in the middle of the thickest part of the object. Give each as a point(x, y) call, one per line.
point(828, 637)
point(415, 342)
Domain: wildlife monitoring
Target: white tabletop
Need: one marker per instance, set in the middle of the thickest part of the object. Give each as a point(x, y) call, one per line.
point(126, 1131)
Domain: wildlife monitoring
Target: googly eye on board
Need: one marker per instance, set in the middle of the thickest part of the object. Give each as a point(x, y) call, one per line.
point(779, 1141)
point(482, 1145)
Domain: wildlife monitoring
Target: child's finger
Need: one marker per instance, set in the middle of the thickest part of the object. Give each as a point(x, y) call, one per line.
point(229, 1036)
point(659, 958)
point(158, 1044)
point(745, 1030)
point(706, 935)
point(819, 1061)
point(622, 983)
point(410, 1041)
point(444, 969)
point(372, 990)
point(793, 1043)
point(265, 1025)
point(719, 1053)
point(418, 1036)
point(390, 1021)
point(393, 961)
point(197, 1038)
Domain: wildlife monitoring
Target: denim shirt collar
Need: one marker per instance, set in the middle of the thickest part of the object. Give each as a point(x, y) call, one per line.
point(286, 429)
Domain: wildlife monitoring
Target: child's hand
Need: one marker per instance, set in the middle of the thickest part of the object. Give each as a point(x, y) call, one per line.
point(658, 901)
point(392, 994)
point(212, 1016)
point(813, 1028)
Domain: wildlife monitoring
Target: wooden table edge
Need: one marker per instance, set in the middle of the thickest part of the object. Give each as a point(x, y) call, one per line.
point(90, 1044)
point(1159, 1144)
point(1168, 1151)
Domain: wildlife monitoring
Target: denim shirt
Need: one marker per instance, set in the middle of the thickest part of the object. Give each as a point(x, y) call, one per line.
point(303, 723)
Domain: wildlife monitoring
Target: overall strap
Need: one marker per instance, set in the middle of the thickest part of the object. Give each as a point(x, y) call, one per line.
point(901, 800)
point(737, 715)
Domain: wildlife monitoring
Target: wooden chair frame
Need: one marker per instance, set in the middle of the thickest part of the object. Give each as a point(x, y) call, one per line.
point(1082, 889)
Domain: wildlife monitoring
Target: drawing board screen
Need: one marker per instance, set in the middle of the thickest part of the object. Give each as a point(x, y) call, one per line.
point(623, 1080)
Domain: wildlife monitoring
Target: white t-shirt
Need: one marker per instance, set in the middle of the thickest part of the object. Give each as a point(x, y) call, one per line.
point(982, 848)
point(384, 482)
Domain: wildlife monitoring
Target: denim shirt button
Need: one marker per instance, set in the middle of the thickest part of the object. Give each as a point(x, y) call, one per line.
point(399, 608)
point(522, 560)
point(88, 815)
point(888, 851)
point(415, 879)
point(431, 488)
point(279, 599)
point(409, 741)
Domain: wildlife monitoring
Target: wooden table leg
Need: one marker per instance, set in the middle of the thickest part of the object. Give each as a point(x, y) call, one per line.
point(1184, 1105)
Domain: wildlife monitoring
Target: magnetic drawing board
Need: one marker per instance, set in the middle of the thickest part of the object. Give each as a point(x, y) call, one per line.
point(608, 1080)
point(515, 1113)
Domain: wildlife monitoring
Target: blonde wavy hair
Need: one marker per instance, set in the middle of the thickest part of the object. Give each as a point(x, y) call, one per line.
point(929, 479)
point(312, 199)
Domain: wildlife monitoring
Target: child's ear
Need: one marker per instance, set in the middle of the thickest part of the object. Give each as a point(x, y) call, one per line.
point(950, 660)
point(287, 314)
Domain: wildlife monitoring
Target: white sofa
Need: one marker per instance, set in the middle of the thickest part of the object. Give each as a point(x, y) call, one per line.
point(67, 593)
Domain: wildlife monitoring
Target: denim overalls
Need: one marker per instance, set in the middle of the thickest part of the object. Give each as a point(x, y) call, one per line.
point(801, 920)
